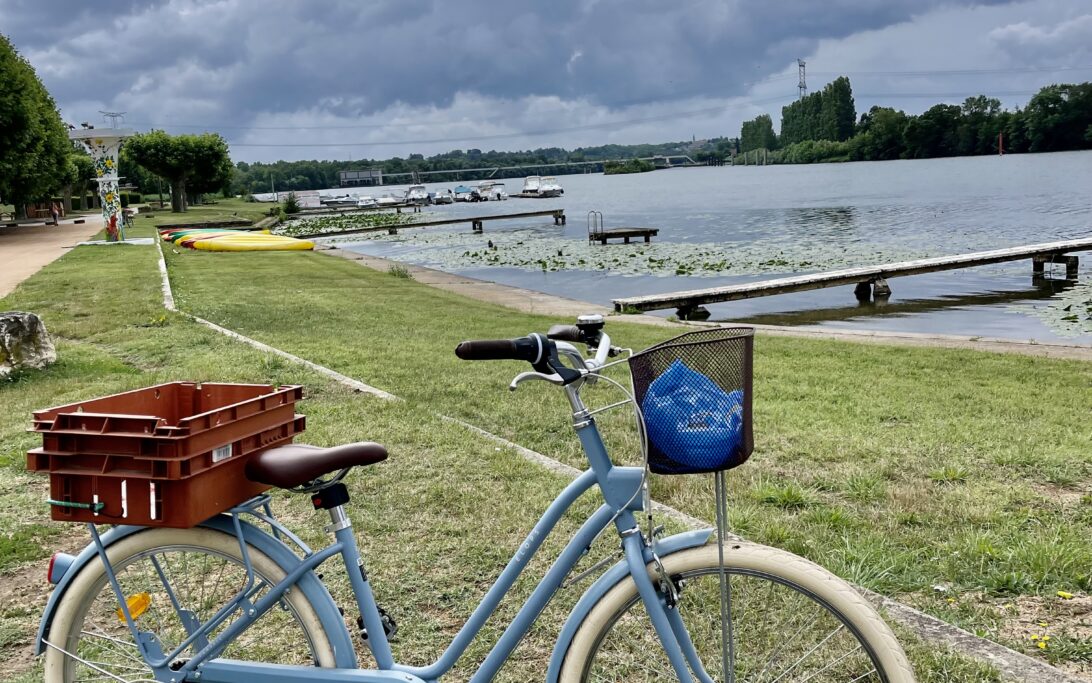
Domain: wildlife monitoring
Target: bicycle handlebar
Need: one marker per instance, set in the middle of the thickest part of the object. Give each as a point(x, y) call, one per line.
point(530, 348)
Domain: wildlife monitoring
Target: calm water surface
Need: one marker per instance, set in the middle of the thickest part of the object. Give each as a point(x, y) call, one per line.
point(729, 225)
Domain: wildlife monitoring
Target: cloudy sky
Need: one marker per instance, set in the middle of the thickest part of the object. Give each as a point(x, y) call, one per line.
point(330, 79)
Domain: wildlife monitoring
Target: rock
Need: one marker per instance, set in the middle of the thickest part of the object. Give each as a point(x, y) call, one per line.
point(24, 342)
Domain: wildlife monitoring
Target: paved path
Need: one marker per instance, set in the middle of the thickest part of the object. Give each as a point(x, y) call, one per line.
point(545, 304)
point(28, 248)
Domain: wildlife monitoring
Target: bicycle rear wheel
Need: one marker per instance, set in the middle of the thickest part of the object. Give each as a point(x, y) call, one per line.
point(792, 621)
point(175, 579)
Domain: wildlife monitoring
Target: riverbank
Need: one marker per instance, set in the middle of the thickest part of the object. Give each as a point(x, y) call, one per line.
point(862, 464)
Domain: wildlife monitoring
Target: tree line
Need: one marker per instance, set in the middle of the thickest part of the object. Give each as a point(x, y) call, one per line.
point(258, 177)
point(823, 127)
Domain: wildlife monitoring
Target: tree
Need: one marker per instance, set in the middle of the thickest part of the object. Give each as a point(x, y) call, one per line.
point(837, 114)
point(79, 174)
point(1058, 116)
point(197, 163)
point(34, 143)
point(881, 135)
point(758, 134)
point(933, 134)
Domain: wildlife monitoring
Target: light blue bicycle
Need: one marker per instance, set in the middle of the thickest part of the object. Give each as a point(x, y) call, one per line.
point(239, 598)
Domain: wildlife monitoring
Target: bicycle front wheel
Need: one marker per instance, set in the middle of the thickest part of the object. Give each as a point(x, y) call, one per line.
point(791, 621)
point(174, 580)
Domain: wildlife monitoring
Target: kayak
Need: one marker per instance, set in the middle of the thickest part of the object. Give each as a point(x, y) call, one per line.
point(187, 240)
point(250, 243)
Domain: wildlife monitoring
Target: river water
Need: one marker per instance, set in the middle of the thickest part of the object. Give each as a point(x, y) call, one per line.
point(736, 224)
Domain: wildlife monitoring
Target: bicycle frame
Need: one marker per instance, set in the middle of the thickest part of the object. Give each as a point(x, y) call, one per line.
point(621, 488)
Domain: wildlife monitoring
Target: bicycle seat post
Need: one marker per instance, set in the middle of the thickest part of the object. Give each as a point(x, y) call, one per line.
point(333, 498)
point(376, 625)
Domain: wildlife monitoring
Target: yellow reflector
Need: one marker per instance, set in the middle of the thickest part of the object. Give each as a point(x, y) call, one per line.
point(138, 604)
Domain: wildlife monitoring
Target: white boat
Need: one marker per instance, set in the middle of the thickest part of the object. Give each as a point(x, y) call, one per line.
point(463, 193)
point(443, 197)
point(531, 185)
point(417, 194)
point(491, 190)
point(338, 201)
point(389, 199)
point(549, 187)
point(366, 203)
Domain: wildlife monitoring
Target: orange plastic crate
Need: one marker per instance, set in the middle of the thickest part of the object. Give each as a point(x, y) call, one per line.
point(169, 455)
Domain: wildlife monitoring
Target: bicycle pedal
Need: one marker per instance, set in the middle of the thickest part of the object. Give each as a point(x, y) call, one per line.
point(390, 626)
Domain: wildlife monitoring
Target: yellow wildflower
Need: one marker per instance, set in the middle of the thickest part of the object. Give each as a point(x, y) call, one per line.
point(1042, 645)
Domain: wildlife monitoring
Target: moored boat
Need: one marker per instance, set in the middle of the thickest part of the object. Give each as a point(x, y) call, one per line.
point(462, 193)
point(549, 187)
point(417, 194)
point(444, 196)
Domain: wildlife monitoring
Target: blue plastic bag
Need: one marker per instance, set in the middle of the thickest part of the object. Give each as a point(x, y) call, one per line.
point(692, 421)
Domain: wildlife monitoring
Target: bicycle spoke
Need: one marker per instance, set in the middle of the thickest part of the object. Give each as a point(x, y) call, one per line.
point(808, 653)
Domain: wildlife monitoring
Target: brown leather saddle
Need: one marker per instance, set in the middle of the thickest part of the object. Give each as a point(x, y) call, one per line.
point(290, 466)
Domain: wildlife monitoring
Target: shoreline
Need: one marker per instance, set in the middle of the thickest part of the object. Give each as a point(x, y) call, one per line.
point(530, 301)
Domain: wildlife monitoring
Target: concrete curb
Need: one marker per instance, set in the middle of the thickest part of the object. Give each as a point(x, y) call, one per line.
point(1013, 665)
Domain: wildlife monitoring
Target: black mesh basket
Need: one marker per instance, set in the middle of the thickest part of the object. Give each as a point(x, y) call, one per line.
point(694, 392)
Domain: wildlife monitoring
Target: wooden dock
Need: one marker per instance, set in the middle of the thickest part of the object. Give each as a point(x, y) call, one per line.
point(623, 234)
point(869, 280)
point(476, 223)
point(597, 233)
point(339, 210)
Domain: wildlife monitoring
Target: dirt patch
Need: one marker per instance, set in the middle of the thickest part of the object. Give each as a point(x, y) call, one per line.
point(25, 592)
point(1065, 496)
point(1051, 628)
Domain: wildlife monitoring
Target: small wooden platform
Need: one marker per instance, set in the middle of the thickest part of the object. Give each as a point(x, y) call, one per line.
point(476, 223)
point(412, 207)
point(625, 234)
point(868, 278)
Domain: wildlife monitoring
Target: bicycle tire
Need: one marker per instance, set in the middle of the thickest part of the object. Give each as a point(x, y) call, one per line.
point(91, 596)
point(616, 640)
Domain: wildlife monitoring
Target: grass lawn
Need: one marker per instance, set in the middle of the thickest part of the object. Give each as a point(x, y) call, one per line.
point(901, 469)
point(223, 209)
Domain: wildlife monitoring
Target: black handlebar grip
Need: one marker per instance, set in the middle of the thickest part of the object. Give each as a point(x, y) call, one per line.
point(568, 333)
point(487, 349)
point(530, 349)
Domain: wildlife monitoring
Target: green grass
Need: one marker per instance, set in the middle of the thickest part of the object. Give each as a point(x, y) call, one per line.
point(847, 436)
point(901, 456)
point(223, 209)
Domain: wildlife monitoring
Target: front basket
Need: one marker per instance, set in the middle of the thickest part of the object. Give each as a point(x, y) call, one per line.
point(694, 392)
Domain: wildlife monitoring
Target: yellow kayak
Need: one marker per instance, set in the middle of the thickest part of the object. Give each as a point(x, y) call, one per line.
point(251, 243)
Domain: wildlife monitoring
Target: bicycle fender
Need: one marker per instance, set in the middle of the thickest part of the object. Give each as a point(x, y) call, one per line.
point(664, 547)
point(316, 592)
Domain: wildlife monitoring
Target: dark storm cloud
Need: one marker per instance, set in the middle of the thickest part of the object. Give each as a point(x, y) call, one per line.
point(233, 59)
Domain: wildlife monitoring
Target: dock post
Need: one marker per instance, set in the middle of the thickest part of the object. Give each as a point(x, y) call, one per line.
point(863, 291)
point(1071, 263)
point(392, 231)
point(476, 226)
point(692, 313)
point(880, 289)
